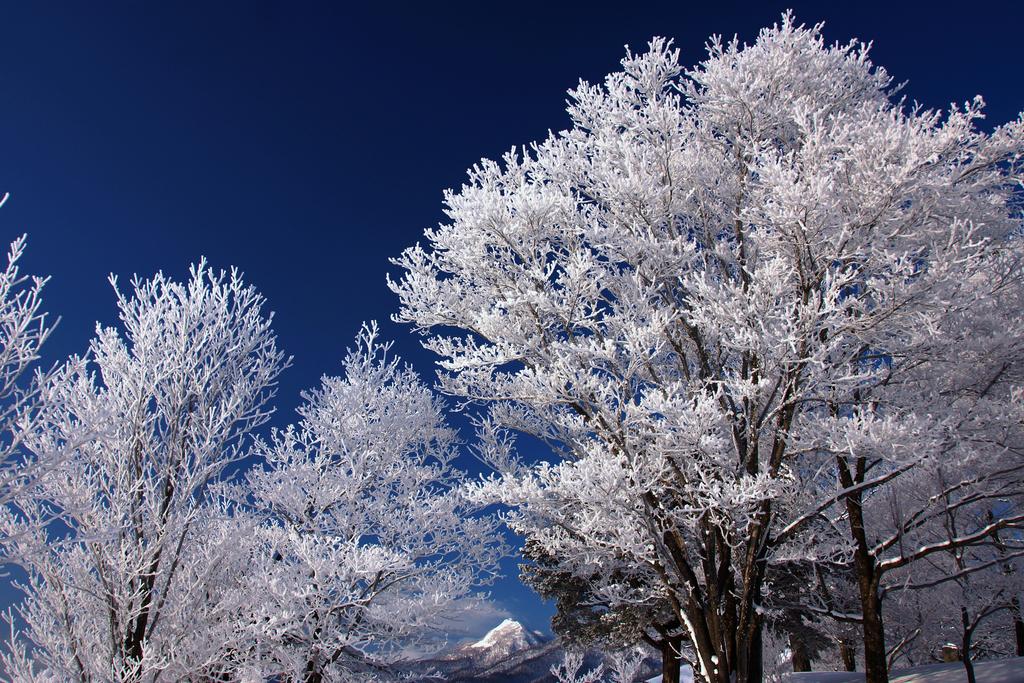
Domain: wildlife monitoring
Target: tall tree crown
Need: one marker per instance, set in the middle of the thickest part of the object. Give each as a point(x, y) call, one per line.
point(713, 284)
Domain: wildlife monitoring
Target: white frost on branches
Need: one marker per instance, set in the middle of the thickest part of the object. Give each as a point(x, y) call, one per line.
point(569, 670)
point(23, 330)
point(367, 544)
point(719, 295)
point(122, 587)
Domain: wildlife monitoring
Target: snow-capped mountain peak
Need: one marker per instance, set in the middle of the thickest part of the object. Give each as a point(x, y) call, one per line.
point(504, 640)
point(509, 635)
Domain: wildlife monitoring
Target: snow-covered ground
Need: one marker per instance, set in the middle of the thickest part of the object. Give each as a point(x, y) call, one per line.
point(685, 676)
point(999, 671)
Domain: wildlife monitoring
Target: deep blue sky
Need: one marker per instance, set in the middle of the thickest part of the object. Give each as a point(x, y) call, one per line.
point(307, 143)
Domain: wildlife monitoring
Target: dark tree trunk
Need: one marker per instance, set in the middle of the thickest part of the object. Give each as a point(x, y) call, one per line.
point(1018, 627)
point(966, 648)
point(751, 663)
point(135, 639)
point(747, 666)
point(1015, 607)
point(969, 668)
point(313, 673)
point(876, 668)
point(670, 662)
point(848, 655)
point(746, 659)
point(801, 660)
point(728, 657)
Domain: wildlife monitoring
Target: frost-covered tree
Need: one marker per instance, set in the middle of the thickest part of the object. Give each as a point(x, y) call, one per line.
point(366, 544)
point(971, 613)
point(570, 669)
point(964, 595)
point(23, 330)
point(792, 587)
point(814, 608)
point(940, 521)
point(735, 300)
point(124, 587)
point(583, 619)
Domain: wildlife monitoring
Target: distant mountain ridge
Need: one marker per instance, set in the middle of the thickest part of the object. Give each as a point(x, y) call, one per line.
point(508, 653)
